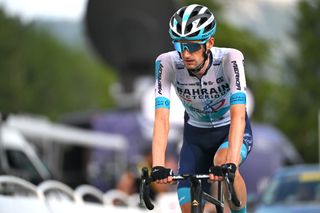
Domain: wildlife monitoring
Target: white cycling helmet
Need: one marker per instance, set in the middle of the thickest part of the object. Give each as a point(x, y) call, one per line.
point(193, 22)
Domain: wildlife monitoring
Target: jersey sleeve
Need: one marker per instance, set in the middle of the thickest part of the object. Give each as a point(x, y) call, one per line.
point(163, 69)
point(234, 67)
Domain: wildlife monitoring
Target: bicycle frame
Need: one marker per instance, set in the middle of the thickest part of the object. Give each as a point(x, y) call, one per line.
point(197, 194)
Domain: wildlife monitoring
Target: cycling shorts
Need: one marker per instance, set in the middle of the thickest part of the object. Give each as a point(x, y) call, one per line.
point(198, 150)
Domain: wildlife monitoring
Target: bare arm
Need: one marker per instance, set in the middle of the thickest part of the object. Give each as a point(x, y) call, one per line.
point(234, 69)
point(160, 136)
point(238, 113)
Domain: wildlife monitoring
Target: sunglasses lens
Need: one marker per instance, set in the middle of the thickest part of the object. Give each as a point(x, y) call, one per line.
point(191, 47)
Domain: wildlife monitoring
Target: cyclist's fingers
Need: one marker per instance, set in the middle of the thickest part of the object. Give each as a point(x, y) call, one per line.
point(218, 178)
point(163, 181)
point(211, 177)
point(214, 178)
point(160, 181)
point(166, 180)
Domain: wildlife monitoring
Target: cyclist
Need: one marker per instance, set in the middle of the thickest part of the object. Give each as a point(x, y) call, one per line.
point(210, 82)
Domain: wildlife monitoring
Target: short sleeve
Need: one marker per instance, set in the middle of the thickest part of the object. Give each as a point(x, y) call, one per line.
point(163, 69)
point(234, 67)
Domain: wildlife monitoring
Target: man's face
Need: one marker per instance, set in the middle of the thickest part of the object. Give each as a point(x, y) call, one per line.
point(192, 60)
point(192, 52)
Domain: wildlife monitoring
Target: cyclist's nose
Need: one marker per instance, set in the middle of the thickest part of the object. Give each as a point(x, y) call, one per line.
point(186, 53)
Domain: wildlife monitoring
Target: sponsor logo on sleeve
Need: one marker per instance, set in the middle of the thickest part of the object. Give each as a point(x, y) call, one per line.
point(238, 98)
point(237, 74)
point(162, 102)
point(159, 68)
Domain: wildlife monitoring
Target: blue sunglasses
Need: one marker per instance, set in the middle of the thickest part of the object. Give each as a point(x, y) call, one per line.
point(191, 47)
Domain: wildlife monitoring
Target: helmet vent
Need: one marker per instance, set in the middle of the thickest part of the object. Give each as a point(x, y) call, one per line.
point(181, 12)
point(174, 34)
point(189, 27)
point(197, 9)
point(202, 20)
point(194, 13)
point(210, 26)
point(194, 34)
point(179, 28)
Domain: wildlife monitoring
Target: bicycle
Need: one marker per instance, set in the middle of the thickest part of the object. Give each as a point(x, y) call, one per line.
point(197, 194)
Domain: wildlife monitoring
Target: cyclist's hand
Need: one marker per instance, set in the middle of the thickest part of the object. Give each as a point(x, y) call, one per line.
point(215, 173)
point(161, 174)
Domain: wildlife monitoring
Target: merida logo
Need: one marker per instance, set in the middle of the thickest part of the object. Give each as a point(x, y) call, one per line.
point(195, 203)
point(159, 79)
point(236, 72)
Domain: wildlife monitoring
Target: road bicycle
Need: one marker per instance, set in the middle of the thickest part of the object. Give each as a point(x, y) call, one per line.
point(197, 194)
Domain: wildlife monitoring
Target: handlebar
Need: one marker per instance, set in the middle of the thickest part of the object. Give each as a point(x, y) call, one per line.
point(228, 177)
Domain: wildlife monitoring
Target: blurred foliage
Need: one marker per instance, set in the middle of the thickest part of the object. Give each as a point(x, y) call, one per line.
point(229, 36)
point(42, 76)
point(298, 114)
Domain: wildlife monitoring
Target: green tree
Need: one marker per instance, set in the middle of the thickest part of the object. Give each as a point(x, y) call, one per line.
point(298, 117)
point(40, 75)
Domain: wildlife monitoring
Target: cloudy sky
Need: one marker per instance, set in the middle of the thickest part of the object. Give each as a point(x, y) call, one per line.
point(29, 10)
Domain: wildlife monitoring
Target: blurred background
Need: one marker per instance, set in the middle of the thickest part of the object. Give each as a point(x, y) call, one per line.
point(77, 82)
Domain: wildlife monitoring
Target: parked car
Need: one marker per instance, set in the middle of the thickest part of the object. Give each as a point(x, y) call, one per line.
point(291, 190)
point(19, 158)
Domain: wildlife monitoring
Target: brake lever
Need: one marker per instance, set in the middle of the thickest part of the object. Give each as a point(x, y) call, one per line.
point(145, 189)
point(229, 175)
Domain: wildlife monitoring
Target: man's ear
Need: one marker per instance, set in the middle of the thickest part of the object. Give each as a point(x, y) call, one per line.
point(210, 43)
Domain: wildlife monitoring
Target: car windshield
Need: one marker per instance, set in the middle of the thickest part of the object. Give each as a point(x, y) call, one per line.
point(303, 188)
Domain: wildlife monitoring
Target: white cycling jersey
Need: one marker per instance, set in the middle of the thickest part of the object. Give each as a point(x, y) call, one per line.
point(207, 100)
